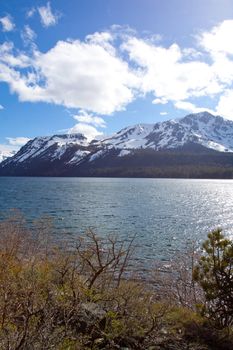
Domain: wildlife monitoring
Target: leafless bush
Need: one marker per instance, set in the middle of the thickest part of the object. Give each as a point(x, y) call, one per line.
point(53, 297)
point(174, 281)
point(107, 258)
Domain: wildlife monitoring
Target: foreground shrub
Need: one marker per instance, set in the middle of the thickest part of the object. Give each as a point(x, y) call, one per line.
point(84, 296)
point(60, 297)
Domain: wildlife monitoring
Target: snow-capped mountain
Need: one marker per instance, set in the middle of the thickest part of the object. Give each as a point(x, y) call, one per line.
point(202, 128)
point(136, 146)
point(51, 147)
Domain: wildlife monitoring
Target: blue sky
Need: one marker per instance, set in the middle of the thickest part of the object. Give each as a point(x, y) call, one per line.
point(95, 66)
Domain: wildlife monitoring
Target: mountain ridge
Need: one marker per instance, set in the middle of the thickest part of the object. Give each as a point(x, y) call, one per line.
point(73, 155)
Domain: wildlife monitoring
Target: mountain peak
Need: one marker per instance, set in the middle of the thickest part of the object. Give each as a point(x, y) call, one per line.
point(74, 136)
point(204, 117)
point(200, 131)
point(201, 128)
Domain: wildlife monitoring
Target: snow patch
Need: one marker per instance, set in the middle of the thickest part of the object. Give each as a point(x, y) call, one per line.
point(78, 156)
point(40, 145)
point(97, 155)
point(124, 152)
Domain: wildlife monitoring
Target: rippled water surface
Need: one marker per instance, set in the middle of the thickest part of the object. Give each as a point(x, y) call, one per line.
point(164, 213)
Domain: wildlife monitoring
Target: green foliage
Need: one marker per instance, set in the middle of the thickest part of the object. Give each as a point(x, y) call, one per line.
point(214, 272)
point(179, 317)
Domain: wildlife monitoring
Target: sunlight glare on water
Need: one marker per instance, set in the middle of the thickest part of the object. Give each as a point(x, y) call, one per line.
point(165, 214)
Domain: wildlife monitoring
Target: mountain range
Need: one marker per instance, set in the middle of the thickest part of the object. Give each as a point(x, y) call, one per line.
point(198, 145)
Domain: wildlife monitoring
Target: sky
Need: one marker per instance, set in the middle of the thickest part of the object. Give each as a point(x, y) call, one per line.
point(96, 66)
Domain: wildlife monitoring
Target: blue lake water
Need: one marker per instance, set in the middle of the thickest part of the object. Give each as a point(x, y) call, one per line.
point(164, 213)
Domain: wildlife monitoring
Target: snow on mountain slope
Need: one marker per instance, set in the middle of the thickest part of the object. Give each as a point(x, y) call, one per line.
point(78, 156)
point(209, 131)
point(51, 147)
point(201, 129)
point(131, 137)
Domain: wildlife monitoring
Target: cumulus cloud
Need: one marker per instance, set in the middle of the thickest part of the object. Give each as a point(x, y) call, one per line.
point(191, 107)
point(167, 74)
point(107, 70)
point(186, 106)
point(17, 141)
point(1, 107)
point(225, 104)
point(87, 130)
point(218, 39)
point(47, 17)
point(218, 43)
point(77, 75)
point(87, 125)
point(103, 39)
point(7, 23)
point(9, 58)
point(88, 118)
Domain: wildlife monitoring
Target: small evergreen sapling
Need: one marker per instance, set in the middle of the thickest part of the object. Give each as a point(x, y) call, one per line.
point(214, 272)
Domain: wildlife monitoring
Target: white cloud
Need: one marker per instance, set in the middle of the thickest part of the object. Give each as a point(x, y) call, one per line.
point(103, 39)
point(163, 113)
point(191, 53)
point(87, 125)
point(1, 107)
point(158, 101)
point(28, 35)
point(186, 106)
point(6, 148)
point(87, 130)
point(6, 151)
point(7, 23)
point(218, 39)
point(17, 141)
point(88, 118)
point(11, 59)
point(167, 74)
point(192, 108)
point(225, 104)
point(218, 44)
point(47, 17)
point(77, 75)
point(30, 13)
point(13, 145)
point(105, 72)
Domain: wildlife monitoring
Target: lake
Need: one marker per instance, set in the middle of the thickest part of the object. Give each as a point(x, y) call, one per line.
point(165, 214)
